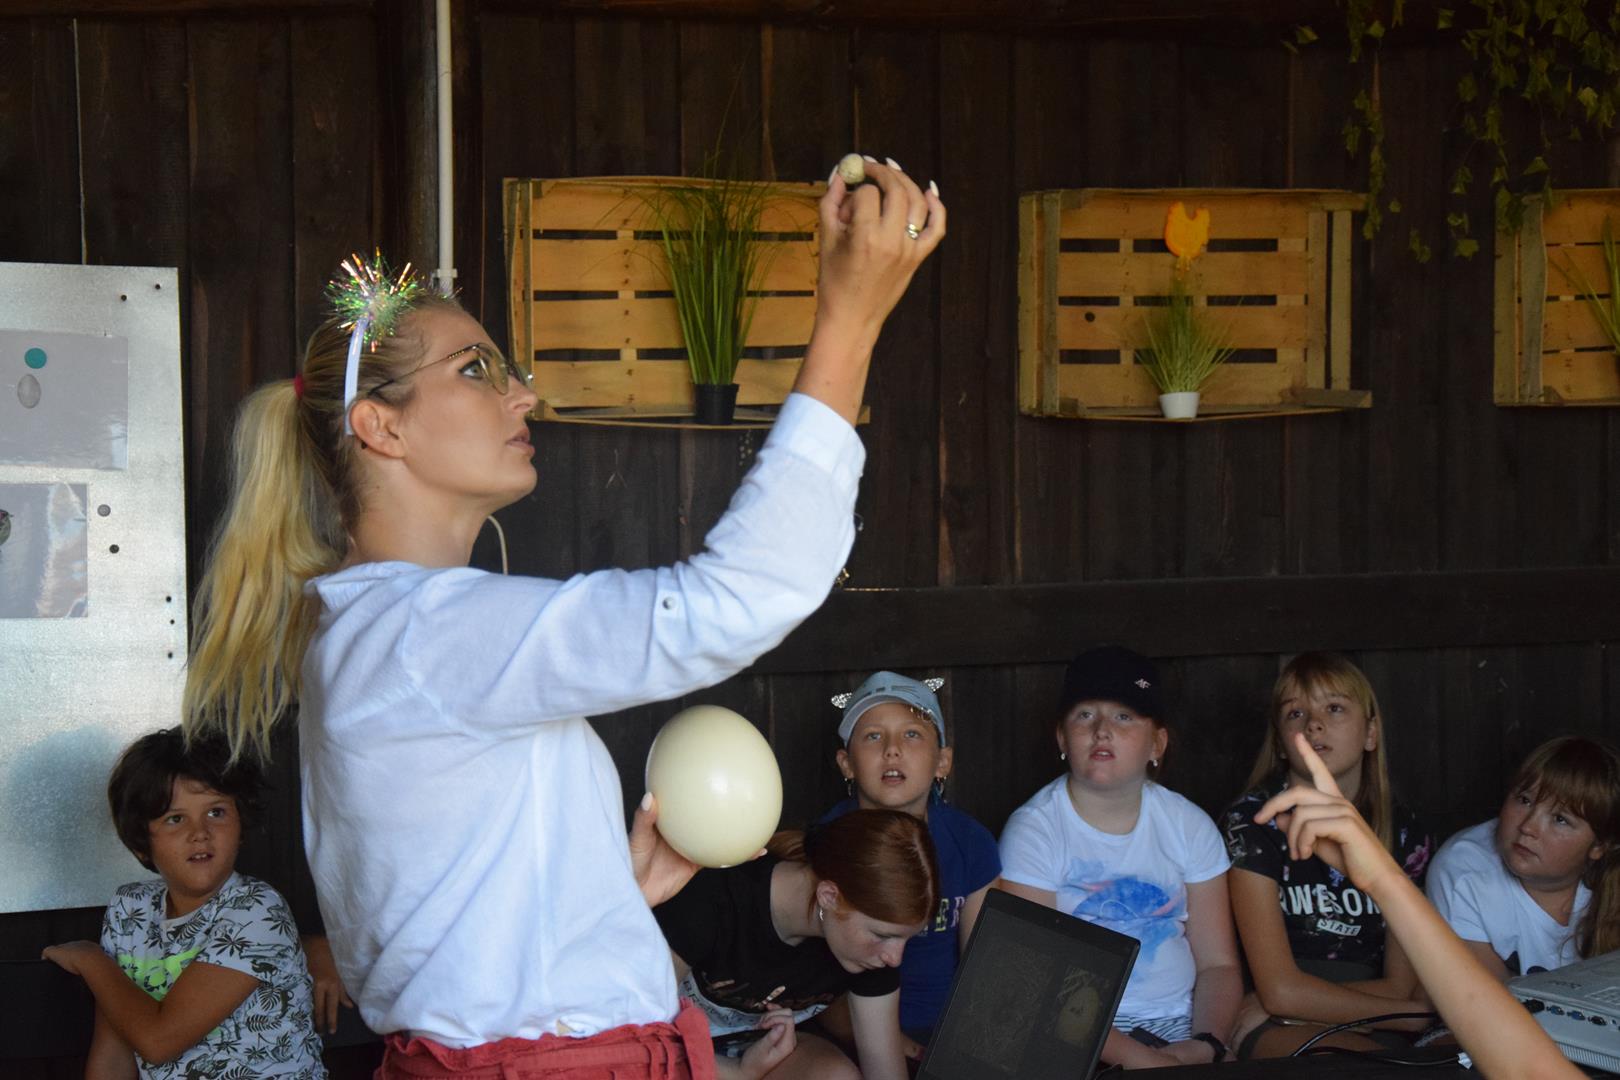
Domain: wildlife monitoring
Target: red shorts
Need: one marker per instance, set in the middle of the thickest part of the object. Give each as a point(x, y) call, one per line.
point(677, 1051)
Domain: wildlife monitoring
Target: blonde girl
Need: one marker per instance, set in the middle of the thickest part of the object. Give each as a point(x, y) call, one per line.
point(1315, 942)
point(462, 819)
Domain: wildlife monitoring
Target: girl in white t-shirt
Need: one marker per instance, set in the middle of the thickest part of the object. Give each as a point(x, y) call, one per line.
point(1539, 887)
point(1107, 844)
point(463, 821)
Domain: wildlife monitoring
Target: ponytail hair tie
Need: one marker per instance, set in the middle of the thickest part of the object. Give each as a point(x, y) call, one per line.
point(298, 386)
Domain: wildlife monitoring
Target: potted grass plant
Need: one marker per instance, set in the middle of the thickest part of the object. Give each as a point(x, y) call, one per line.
point(716, 265)
point(1183, 348)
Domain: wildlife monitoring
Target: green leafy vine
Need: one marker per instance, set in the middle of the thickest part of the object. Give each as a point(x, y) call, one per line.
point(1553, 65)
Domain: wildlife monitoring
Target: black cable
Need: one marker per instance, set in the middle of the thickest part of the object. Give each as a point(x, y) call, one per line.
point(1319, 1036)
point(1387, 1059)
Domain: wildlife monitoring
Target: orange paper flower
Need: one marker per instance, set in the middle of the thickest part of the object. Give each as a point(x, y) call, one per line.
point(1186, 234)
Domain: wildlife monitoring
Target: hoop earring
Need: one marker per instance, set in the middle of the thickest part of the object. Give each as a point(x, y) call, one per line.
point(939, 788)
point(849, 786)
point(821, 916)
point(1063, 755)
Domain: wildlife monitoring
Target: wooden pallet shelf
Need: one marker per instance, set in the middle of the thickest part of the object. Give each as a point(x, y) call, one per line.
point(1550, 349)
point(1276, 277)
point(591, 315)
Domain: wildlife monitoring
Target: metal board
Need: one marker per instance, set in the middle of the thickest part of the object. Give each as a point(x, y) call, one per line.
point(78, 682)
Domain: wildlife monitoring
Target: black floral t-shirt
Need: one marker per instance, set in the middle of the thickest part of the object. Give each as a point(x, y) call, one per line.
point(1327, 917)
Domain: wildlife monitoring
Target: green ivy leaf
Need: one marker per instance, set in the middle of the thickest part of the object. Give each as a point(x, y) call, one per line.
point(1467, 89)
point(1443, 19)
point(1420, 251)
point(1466, 247)
point(1394, 206)
point(1304, 35)
point(1538, 164)
point(1375, 29)
point(1588, 98)
point(1461, 180)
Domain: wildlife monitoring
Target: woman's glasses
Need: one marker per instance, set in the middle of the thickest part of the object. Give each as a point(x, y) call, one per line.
point(498, 371)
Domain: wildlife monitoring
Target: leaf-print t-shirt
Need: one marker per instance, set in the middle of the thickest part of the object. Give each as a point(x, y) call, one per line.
point(245, 927)
point(1135, 884)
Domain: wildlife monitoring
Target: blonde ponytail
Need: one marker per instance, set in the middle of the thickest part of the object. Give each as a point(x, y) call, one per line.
point(294, 496)
point(251, 618)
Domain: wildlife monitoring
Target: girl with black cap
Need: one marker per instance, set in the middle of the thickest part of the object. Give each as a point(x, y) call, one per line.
point(1106, 843)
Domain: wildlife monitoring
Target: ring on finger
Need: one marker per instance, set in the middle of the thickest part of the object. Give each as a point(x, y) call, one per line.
point(913, 231)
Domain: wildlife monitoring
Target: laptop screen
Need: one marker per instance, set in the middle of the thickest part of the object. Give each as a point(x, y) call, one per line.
point(1033, 998)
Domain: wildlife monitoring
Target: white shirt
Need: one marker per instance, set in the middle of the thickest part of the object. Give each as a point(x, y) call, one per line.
point(1482, 901)
point(463, 821)
point(1135, 884)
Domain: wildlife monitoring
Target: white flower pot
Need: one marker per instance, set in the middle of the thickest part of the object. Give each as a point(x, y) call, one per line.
point(1182, 405)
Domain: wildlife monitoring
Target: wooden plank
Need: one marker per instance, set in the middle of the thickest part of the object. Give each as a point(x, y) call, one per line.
point(1532, 306)
point(39, 162)
point(1570, 324)
point(1224, 616)
point(896, 77)
point(1400, 523)
point(1259, 327)
point(654, 324)
point(1315, 367)
point(332, 61)
point(975, 315)
point(1131, 89)
point(1101, 385)
point(1046, 357)
point(1505, 319)
point(613, 203)
point(241, 241)
point(1232, 498)
point(1050, 530)
point(1572, 268)
point(639, 265)
point(1216, 273)
point(1258, 216)
point(1317, 468)
point(1576, 216)
point(1032, 304)
point(653, 383)
point(1576, 377)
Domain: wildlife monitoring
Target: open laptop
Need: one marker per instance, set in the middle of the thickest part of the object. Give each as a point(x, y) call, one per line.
point(1579, 1006)
point(1034, 996)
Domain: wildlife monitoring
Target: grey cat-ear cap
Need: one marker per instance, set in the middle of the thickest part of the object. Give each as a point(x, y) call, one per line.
point(887, 686)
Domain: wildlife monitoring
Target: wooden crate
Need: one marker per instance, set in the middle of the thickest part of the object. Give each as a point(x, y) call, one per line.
point(1276, 276)
point(1550, 349)
point(592, 316)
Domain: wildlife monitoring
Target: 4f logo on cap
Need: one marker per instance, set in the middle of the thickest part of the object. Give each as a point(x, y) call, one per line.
point(1143, 683)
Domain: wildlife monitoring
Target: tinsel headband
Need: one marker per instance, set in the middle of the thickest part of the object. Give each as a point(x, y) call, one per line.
point(369, 300)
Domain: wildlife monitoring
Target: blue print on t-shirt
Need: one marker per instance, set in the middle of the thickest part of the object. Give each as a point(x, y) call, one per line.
point(1129, 905)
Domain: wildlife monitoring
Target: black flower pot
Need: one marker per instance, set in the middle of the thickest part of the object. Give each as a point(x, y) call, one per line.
point(715, 404)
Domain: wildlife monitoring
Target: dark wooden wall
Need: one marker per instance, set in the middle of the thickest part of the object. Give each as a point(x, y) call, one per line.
point(253, 150)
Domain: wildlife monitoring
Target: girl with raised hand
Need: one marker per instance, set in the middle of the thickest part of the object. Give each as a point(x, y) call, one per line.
point(1496, 1031)
point(825, 913)
point(1539, 887)
point(463, 821)
point(1108, 844)
point(1315, 943)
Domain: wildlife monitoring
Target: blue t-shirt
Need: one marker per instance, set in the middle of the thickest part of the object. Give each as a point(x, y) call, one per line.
point(968, 861)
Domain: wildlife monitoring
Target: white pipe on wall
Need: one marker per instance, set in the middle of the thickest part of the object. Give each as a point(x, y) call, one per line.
point(445, 275)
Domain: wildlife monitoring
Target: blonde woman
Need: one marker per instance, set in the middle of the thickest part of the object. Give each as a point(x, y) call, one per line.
point(463, 821)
